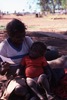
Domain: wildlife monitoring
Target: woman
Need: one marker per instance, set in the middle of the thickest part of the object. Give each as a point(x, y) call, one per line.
point(16, 46)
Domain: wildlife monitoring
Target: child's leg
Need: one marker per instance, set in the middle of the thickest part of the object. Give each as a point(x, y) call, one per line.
point(43, 82)
point(33, 85)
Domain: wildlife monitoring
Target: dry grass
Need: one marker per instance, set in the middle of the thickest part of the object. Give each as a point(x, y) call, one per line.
point(55, 23)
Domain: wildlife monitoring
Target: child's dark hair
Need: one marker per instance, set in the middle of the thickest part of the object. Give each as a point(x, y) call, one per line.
point(37, 49)
point(15, 27)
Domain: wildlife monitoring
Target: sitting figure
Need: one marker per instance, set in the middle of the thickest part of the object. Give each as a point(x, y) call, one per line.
point(34, 64)
point(15, 47)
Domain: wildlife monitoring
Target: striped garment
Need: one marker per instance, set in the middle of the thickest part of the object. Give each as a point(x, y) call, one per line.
point(8, 50)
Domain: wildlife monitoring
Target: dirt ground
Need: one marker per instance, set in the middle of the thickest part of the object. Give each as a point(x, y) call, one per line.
point(49, 23)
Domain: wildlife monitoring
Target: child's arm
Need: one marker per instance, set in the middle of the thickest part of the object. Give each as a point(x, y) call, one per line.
point(22, 71)
point(47, 71)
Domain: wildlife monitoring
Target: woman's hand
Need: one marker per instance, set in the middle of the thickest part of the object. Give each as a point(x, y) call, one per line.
point(4, 67)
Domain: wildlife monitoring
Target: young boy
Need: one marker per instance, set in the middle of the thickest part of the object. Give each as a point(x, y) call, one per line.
point(35, 76)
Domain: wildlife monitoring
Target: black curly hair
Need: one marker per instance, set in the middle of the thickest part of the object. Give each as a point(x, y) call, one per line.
point(37, 49)
point(15, 27)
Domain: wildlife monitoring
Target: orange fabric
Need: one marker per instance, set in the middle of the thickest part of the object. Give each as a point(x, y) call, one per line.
point(65, 69)
point(34, 67)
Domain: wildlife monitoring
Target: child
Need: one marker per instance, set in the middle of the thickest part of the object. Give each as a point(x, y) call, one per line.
point(34, 71)
point(16, 46)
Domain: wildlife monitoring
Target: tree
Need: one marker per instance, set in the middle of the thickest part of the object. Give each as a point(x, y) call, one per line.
point(53, 3)
point(43, 4)
point(64, 3)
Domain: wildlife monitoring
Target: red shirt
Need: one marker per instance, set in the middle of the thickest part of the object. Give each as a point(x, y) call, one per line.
point(34, 67)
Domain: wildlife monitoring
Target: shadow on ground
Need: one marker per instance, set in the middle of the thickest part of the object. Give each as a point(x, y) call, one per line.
point(60, 44)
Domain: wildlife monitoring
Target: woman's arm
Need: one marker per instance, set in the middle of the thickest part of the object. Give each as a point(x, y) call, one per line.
point(29, 41)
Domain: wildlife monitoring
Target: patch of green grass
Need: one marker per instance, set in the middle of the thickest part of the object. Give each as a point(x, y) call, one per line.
point(32, 26)
point(2, 27)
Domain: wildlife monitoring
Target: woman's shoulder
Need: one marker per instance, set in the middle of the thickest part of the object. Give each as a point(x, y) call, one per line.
point(27, 37)
point(3, 46)
point(28, 40)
